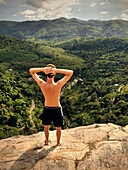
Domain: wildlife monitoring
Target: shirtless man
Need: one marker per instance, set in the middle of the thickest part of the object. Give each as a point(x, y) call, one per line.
point(51, 91)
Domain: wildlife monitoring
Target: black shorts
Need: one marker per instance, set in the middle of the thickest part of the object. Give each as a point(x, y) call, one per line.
point(52, 114)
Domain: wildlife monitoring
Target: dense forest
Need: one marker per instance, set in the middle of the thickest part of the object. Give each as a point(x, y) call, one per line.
point(17, 86)
point(101, 95)
point(62, 29)
point(96, 93)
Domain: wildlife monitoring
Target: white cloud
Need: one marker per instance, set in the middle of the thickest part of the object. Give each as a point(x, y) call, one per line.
point(61, 12)
point(103, 3)
point(51, 4)
point(104, 12)
point(28, 12)
point(115, 17)
point(125, 11)
point(14, 15)
point(41, 13)
point(93, 4)
point(124, 14)
point(50, 9)
point(3, 2)
point(30, 17)
point(47, 14)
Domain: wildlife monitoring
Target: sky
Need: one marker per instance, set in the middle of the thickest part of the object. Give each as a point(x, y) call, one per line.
point(23, 10)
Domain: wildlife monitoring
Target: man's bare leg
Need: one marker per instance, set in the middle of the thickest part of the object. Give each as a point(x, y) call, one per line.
point(58, 135)
point(46, 131)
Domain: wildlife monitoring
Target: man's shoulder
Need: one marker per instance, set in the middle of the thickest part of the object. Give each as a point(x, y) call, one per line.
point(42, 83)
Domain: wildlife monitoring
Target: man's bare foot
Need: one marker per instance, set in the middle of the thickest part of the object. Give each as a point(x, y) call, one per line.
point(47, 142)
point(58, 144)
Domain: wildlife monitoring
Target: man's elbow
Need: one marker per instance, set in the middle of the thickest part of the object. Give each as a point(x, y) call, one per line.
point(31, 70)
point(71, 72)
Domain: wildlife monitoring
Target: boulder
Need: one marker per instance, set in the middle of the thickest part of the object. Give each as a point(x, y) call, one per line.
point(93, 147)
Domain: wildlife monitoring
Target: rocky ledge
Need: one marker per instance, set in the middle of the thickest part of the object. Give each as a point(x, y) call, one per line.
point(94, 147)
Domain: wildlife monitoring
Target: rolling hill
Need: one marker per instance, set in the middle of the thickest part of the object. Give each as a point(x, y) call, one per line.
point(27, 54)
point(62, 29)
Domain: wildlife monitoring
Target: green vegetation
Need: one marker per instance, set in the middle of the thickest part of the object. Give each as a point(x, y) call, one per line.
point(17, 87)
point(62, 29)
point(102, 94)
point(98, 95)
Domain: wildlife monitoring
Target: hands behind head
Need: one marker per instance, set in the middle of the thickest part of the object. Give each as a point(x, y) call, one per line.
point(50, 70)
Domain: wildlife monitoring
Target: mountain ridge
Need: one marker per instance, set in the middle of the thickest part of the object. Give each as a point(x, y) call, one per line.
point(61, 29)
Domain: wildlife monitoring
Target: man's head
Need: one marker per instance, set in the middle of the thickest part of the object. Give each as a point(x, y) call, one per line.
point(50, 75)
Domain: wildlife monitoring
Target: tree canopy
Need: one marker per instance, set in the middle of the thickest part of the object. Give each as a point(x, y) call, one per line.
point(96, 93)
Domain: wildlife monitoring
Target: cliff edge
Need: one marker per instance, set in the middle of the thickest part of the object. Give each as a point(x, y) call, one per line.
point(93, 147)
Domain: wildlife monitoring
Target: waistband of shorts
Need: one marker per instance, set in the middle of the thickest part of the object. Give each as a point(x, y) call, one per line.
point(47, 107)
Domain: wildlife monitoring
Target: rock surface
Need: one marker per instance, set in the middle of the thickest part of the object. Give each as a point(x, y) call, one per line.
point(94, 147)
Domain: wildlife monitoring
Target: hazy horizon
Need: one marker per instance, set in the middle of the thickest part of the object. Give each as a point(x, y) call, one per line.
point(61, 18)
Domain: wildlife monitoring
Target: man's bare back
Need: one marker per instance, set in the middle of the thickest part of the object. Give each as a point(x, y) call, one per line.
point(50, 89)
point(51, 92)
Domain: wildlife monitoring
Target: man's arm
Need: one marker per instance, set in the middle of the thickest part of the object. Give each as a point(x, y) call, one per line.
point(68, 73)
point(33, 72)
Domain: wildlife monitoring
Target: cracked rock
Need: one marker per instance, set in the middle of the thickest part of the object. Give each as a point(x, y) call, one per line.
point(94, 147)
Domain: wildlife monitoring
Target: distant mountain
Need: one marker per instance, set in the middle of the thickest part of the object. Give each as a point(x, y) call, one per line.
point(62, 29)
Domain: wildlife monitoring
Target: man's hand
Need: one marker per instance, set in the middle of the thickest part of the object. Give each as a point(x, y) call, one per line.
point(48, 70)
